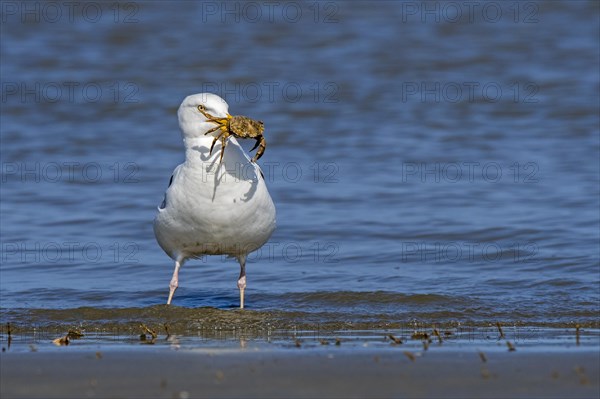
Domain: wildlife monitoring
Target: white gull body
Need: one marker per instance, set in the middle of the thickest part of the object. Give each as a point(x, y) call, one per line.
point(212, 208)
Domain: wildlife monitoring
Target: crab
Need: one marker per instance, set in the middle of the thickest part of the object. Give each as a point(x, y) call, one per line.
point(238, 126)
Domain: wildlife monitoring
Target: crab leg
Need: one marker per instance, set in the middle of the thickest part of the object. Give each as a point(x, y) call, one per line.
point(223, 144)
point(215, 140)
point(255, 145)
point(261, 143)
point(213, 129)
point(211, 118)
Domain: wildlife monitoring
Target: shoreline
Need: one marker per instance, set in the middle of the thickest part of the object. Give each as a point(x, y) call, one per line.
point(326, 371)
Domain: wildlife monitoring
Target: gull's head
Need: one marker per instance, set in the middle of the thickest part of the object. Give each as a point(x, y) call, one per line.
point(192, 121)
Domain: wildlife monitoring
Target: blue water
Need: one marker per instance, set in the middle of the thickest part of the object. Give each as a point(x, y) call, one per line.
point(423, 164)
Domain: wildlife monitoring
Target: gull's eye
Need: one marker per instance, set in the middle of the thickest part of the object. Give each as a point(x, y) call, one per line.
point(201, 107)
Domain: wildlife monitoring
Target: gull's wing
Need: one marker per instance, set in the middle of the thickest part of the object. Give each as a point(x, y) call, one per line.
point(163, 205)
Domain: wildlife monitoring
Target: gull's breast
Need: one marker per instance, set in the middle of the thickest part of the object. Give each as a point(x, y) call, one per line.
point(211, 210)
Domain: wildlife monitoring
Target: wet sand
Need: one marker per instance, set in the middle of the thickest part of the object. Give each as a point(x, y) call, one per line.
point(299, 372)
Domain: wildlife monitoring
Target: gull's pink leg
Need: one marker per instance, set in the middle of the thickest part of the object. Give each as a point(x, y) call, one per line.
point(242, 280)
point(175, 279)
